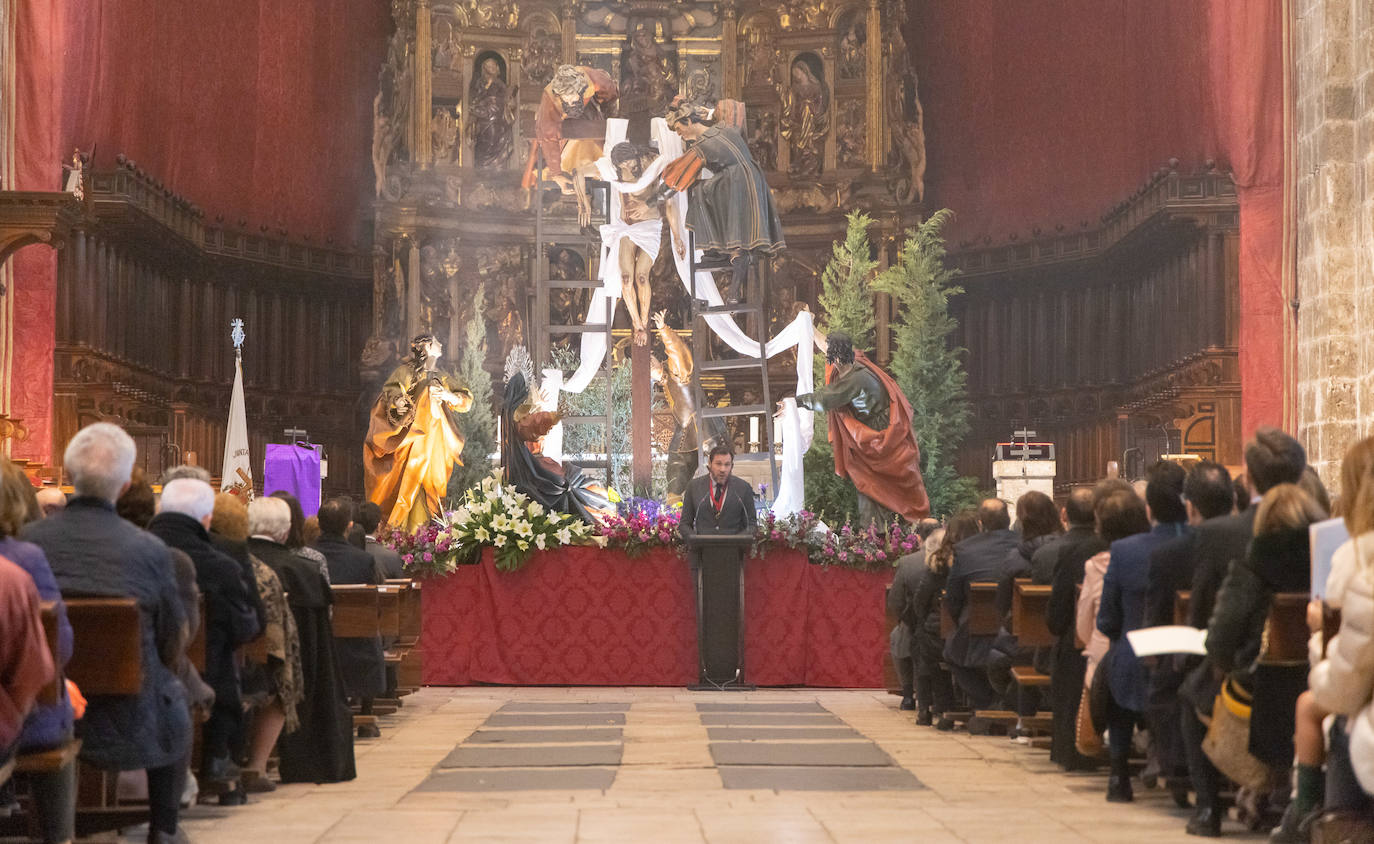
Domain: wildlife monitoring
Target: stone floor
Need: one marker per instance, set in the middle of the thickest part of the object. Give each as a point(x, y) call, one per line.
point(428, 778)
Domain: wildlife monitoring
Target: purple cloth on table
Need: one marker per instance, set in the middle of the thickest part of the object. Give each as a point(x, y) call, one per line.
point(294, 469)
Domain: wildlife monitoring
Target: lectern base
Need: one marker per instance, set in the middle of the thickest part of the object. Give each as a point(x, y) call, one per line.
point(720, 612)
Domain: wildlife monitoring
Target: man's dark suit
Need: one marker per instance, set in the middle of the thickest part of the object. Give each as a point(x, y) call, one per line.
point(1220, 541)
point(977, 559)
point(737, 513)
point(361, 661)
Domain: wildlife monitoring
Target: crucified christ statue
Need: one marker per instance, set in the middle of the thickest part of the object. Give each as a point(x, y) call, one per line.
point(632, 241)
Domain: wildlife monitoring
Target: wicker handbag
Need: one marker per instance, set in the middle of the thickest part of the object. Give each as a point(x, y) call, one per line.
point(1228, 738)
point(1086, 737)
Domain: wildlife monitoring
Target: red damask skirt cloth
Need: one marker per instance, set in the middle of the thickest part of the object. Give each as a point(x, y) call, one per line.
point(592, 617)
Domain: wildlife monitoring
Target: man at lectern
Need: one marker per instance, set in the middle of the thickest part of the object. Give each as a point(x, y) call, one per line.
point(718, 502)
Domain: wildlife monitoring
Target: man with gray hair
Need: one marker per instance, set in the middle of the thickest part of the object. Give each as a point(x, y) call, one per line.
point(183, 521)
point(94, 552)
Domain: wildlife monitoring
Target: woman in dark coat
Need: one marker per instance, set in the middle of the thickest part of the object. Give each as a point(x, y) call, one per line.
point(321, 750)
point(934, 687)
point(1040, 525)
point(1279, 561)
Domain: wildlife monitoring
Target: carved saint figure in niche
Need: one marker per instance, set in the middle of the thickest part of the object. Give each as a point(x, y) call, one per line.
point(506, 314)
point(444, 52)
point(413, 437)
point(759, 56)
point(701, 88)
point(570, 125)
point(436, 306)
point(850, 133)
point(491, 117)
point(763, 139)
point(908, 135)
point(648, 74)
point(567, 304)
point(805, 116)
point(853, 48)
point(541, 57)
point(444, 133)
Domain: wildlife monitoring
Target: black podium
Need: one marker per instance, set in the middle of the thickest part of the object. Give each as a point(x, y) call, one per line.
point(718, 562)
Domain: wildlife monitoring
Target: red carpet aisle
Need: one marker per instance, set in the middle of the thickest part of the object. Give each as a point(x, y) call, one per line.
point(585, 616)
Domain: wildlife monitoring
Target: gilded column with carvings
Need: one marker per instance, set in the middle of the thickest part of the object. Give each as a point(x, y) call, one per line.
point(569, 32)
point(874, 135)
point(424, 76)
point(729, 51)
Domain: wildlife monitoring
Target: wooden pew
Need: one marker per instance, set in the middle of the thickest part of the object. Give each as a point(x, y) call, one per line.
point(409, 672)
point(985, 620)
point(1029, 606)
point(107, 659)
point(1182, 601)
point(357, 615)
point(1286, 631)
point(891, 681)
point(48, 695)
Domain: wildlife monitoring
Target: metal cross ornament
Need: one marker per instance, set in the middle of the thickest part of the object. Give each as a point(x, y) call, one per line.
point(1023, 450)
point(236, 333)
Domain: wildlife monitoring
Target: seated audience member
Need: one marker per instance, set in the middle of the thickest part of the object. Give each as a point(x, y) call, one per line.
point(934, 686)
point(910, 571)
point(274, 688)
point(1040, 526)
point(361, 660)
point(94, 552)
point(1207, 494)
point(182, 522)
point(49, 725)
point(321, 750)
point(1342, 679)
point(1279, 561)
point(50, 500)
point(1073, 549)
point(23, 653)
point(1119, 514)
point(297, 539)
point(1271, 458)
point(1122, 609)
point(388, 561)
point(977, 559)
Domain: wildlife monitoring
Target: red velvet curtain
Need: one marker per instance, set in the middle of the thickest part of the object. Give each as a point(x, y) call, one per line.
point(253, 109)
point(1042, 113)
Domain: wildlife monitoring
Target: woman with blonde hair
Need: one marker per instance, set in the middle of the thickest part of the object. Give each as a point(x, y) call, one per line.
point(1279, 560)
point(934, 685)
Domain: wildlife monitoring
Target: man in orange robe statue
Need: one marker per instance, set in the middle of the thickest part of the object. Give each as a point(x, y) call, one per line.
point(870, 432)
point(413, 441)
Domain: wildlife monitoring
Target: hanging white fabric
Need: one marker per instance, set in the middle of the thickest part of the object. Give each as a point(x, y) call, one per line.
point(797, 335)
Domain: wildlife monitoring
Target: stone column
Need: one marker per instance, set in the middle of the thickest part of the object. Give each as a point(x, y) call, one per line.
point(1335, 217)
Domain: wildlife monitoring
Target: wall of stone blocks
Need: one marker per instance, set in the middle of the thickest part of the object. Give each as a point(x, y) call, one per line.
point(1334, 53)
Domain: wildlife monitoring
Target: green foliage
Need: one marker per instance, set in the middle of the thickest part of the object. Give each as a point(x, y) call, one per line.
point(478, 424)
point(925, 364)
point(826, 494)
point(845, 298)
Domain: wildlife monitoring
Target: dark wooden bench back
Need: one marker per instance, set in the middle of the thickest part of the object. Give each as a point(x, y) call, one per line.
point(410, 610)
point(947, 622)
point(1182, 599)
point(389, 610)
point(48, 695)
point(1029, 607)
point(107, 652)
point(1287, 628)
point(356, 611)
point(983, 618)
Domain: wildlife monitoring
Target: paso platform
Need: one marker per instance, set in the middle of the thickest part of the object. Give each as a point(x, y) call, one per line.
point(595, 617)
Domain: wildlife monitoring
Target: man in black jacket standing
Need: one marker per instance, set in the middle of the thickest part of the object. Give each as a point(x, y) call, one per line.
point(361, 661)
point(979, 558)
point(230, 619)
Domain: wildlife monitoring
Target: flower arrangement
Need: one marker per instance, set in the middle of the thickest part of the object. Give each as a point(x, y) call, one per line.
point(490, 514)
point(874, 547)
point(642, 524)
